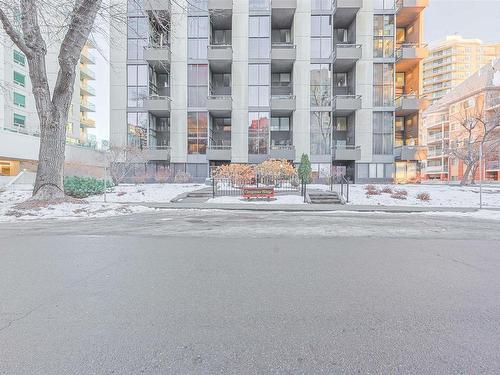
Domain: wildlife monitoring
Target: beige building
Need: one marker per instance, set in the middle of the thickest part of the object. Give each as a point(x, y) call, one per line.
point(452, 61)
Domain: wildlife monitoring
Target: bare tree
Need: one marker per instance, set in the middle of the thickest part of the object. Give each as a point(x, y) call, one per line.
point(52, 108)
point(479, 128)
point(121, 160)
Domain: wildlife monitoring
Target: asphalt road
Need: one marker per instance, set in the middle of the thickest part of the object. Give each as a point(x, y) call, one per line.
point(195, 292)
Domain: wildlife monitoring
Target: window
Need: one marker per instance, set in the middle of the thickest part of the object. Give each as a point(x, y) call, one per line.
point(384, 4)
point(19, 79)
point(259, 46)
point(137, 125)
point(137, 37)
point(197, 85)
point(375, 170)
point(340, 79)
point(19, 120)
point(383, 85)
point(258, 4)
point(280, 124)
point(197, 123)
point(258, 88)
point(382, 133)
point(19, 100)
point(321, 87)
point(197, 38)
point(341, 124)
point(137, 85)
point(321, 133)
point(321, 5)
point(383, 36)
point(258, 133)
point(321, 37)
point(19, 58)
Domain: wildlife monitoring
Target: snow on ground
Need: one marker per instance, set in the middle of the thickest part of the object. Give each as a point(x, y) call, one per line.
point(279, 199)
point(441, 195)
point(146, 192)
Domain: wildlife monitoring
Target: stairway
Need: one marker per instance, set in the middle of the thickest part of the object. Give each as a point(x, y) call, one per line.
point(324, 197)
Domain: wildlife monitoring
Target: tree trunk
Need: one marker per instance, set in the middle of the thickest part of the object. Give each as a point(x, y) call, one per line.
point(473, 174)
point(465, 177)
point(49, 177)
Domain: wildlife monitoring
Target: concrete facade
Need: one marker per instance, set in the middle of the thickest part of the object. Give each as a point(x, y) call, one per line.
point(250, 118)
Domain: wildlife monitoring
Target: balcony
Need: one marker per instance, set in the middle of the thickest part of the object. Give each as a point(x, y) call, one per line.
point(159, 153)
point(215, 152)
point(282, 152)
point(86, 106)
point(282, 105)
point(344, 12)
point(283, 56)
point(156, 5)
point(86, 90)
point(344, 105)
point(436, 169)
point(408, 55)
point(346, 152)
point(86, 122)
point(220, 105)
point(284, 4)
point(87, 57)
point(407, 11)
point(220, 57)
point(86, 73)
point(407, 105)
point(158, 105)
point(158, 56)
point(345, 56)
point(410, 153)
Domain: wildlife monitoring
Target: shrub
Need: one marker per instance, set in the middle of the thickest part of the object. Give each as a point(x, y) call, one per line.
point(387, 189)
point(83, 187)
point(424, 197)
point(305, 170)
point(401, 192)
point(183, 178)
point(275, 169)
point(373, 192)
point(370, 187)
point(237, 174)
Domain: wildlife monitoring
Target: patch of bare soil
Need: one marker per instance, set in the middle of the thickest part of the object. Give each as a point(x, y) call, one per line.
point(36, 204)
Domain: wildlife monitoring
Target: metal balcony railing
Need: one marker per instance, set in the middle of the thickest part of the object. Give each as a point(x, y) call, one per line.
point(219, 147)
point(401, 46)
point(282, 147)
point(282, 45)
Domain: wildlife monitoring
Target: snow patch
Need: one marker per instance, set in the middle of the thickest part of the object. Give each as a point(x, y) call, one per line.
point(279, 199)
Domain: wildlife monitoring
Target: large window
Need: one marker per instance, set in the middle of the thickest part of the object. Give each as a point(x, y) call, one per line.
point(321, 37)
point(197, 38)
point(382, 133)
point(383, 85)
point(384, 4)
point(137, 37)
point(258, 4)
point(258, 87)
point(197, 85)
point(321, 4)
point(19, 100)
point(321, 133)
point(258, 133)
point(259, 33)
point(321, 87)
point(19, 120)
point(197, 132)
point(383, 36)
point(137, 85)
point(137, 128)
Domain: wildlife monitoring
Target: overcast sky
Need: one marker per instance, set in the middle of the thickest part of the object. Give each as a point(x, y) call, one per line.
point(469, 18)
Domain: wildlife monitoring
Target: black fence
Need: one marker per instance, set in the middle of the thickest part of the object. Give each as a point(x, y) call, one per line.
point(340, 185)
point(224, 187)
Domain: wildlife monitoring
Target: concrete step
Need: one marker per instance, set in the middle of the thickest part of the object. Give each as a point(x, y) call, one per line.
point(325, 197)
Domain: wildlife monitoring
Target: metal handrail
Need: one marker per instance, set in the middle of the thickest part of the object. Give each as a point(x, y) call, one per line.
point(219, 46)
point(219, 147)
point(284, 96)
point(346, 96)
point(157, 46)
point(158, 97)
point(220, 96)
point(282, 147)
point(283, 45)
point(348, 45)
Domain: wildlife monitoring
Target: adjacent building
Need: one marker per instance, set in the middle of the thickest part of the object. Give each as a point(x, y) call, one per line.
point(19, 125)
point(479, 95)
point(200, 84)
point(453, 61)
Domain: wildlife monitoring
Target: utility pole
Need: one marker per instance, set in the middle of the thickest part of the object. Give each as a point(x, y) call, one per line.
point(481, 175)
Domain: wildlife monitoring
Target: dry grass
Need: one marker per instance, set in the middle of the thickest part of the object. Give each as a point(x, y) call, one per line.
point(424, 197)
point(387, 190)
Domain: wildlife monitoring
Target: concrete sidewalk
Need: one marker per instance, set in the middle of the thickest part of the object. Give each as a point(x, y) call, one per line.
point(304, 207)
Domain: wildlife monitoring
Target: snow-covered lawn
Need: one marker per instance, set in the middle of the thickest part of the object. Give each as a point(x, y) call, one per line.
point(279, 199)
point(95, 206)
point(146, 192)
point(440, 195)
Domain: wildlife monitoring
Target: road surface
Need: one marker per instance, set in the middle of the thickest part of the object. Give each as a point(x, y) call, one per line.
point(214, 292)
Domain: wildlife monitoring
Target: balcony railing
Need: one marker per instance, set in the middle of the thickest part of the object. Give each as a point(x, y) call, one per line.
point(401, 47)
point(343, 45)
point(219, 147)
point(282, 147)
point(89, 73)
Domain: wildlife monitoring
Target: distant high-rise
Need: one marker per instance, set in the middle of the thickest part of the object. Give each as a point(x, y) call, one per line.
point(454, 60)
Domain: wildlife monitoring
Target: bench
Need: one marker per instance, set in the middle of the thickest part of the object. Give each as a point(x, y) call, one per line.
point(257, 192)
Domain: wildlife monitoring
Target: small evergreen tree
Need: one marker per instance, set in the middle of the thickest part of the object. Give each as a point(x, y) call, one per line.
point(305, 170)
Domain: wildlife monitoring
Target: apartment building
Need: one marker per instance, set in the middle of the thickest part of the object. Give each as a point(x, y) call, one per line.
point(19, 125)
point(200, 84)
point(479, 95)
point(453, 61)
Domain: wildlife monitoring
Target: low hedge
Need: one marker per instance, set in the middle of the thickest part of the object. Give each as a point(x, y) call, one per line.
point(83, 187)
